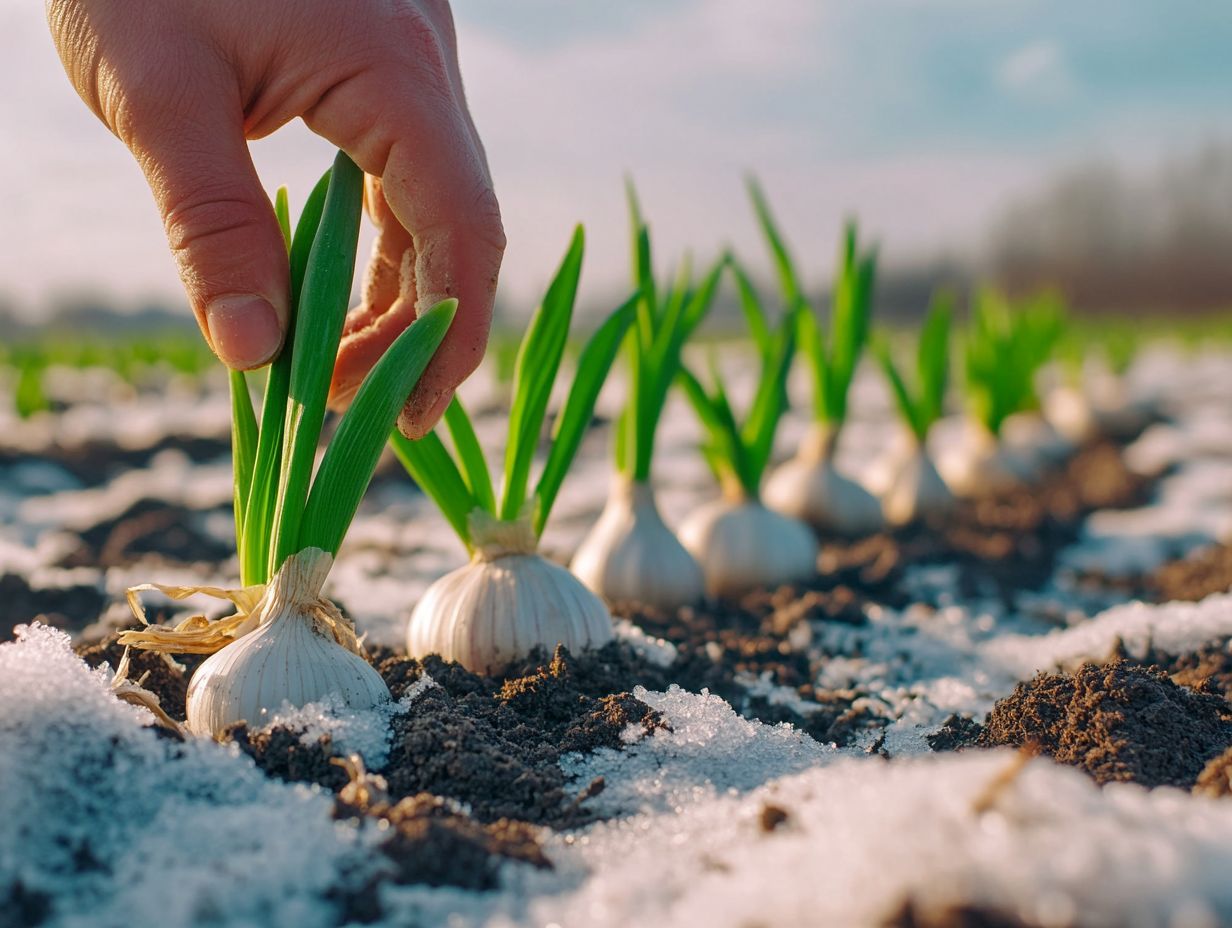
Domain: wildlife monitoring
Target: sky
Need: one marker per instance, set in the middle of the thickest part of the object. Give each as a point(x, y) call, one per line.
point(924, 118)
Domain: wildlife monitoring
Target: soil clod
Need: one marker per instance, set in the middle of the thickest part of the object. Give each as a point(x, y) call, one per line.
point(1117, 722)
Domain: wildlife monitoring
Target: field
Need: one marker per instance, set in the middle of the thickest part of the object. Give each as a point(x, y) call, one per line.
point(1014, 717)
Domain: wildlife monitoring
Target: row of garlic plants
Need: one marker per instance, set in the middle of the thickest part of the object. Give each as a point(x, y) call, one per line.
point(286, 643)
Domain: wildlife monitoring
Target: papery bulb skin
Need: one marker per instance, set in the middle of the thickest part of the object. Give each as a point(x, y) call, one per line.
point(1033, 438)
point(977, 463)
point(288, 659)
point(631, 555)
point(808, 488)
point(504, 604)
point(916, 491)
point(741, 545)
point(1070, 413)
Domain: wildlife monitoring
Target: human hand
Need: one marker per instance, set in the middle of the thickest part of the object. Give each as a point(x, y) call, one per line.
point(186, 84)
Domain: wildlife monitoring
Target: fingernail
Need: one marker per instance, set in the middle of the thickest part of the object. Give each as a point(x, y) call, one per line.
point(418, 420)
point(244, 330)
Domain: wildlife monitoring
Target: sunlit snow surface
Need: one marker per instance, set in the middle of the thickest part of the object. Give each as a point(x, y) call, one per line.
point(117, 826)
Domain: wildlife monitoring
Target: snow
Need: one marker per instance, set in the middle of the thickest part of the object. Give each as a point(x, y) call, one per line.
point(119, 826)
point(1174, 628)
point(364, 732)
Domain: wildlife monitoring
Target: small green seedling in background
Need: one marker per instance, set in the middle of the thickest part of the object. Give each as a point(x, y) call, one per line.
point(832, 356)
point(1006, 344)
point(664, 322)
point(738, 453)
point(921, 404)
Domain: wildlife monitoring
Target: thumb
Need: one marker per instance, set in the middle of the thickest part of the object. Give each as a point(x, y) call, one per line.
point(220, 225)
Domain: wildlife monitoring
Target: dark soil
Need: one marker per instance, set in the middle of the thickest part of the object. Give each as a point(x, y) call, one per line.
point(1118, 722)
point(1208, 669)
point(766, 633)
point(148, 527)
point(161, 675)
point(95, 463)
point(22, 907)
point(71, 608)
point(912, 915)
point(956, 733)
point(1192, 578)
point(1011, 540)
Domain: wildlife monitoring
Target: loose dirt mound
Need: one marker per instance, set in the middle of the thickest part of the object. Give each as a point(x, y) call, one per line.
point(1117, 721)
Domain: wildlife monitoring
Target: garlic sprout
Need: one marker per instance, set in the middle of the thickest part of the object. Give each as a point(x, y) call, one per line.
point(809, 487)
point(509, 600)
point(285, 643)
point(739, 543)
point(915, 489)
point(631, 554)
point(1006, 345)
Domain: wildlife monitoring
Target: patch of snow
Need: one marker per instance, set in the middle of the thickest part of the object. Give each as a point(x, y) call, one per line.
point(1175, 628)
point(364, 732)
point(116, 825)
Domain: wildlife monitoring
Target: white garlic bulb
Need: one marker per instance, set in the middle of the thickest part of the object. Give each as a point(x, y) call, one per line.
point(505, 603)
point(975, 462)
point(742, 545)
point(1034, 439)
point(290, 657)
point(631, 554)
point(809, 488)
point(915, 490)
point(1118, 414)
point(1071, 414)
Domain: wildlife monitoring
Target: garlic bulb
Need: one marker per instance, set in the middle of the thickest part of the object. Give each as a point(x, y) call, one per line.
point(915, 490)
point(742, 545)
point(1070, 413)
point(505, 603)
point(976, 463)
point(1033, 438)
point(810, 489)
point(290, 657)
point(631, 554)
point(1118, 414)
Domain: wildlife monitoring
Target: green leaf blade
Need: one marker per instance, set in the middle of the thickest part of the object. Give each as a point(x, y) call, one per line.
point(326, 292)
point(593, 366)
point(262, 504)
point(352, 455)
point(473, 464)
point(538, 362)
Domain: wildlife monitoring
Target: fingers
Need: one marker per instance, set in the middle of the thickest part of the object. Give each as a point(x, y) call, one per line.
point(219, 222)
point(403, 121)
point(388, 308)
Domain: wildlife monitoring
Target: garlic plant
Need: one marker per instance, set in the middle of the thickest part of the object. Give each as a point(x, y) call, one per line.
point(739, 543)
point(285, 643)
point(631, 553)
point(1096, 400)
point(509, 600)
point(1005, 347)
point(915, 490)
point(809, 486)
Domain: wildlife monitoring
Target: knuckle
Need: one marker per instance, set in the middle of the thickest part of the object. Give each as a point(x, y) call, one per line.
point(485, 219)
point(202, 218)
point(420, 47)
